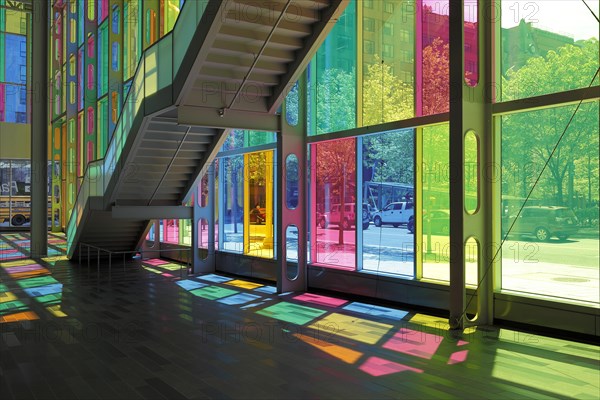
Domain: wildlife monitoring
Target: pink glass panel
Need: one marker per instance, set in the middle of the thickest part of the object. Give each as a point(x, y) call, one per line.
point(334, 210)
point(2, 103)
point(171, 227)
point(90, 151)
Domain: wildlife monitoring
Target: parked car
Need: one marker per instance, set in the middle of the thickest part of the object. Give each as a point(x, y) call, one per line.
point(396, 214)
point(542, 222)
point(334, 216)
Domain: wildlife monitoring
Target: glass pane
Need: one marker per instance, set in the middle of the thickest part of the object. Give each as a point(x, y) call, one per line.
point(471, 172)
point(335, 207)
point(233, 186)
point(435, 220)
point(291, 242)
point(388, 201)
point(259, 194)
point(552, 244)
point(547, 47)
point(433, 67)
point(332, 78)
point(291, 106)
point(291, 181)
point(388, 61)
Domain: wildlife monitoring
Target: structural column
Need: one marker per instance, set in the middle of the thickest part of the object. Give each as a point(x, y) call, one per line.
point(203, 257)
point(291, 141)
point(39, 129)
point(470, 121)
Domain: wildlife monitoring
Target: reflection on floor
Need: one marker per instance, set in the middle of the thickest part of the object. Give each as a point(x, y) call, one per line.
point(152, 332)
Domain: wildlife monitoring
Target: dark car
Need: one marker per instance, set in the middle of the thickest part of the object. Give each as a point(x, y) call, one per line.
point(435, 222)
point(542, 222)
point(334, 216)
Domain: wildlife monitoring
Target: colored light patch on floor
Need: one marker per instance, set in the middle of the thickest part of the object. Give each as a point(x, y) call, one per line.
point(20, 316)
point(54, 260)
point(293, 313)
point(54, 252)
point(170, 266)
point(429, 320)
point(415, 343)
point(56, 311)
point(12, 306)
point(214, 278)
point(8, 251)
point(369, 309)
point(35, 282)
point(9, 257)
point(458, 357)
point(353, 328)
point(266, 289)
point(155, 261)
point(189, 284)
point(17, 263)
point(7, 296)
point(23, 268)
point(30, 274)
point(44, 290)
point(153, 270)
point(3, 287)
point(243, 284)
point(320, 300)
point(213, 292)
point(49, 298)
point(376, 366)
point(345, 354)
point(240, 298)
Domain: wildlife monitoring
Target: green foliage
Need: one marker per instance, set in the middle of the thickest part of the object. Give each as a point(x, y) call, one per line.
point(529, 139)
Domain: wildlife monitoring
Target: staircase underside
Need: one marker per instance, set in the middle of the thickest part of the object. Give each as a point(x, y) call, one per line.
point(242, 61)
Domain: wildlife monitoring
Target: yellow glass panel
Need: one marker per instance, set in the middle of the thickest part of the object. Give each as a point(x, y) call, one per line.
point(16, 22)
point(258, 215)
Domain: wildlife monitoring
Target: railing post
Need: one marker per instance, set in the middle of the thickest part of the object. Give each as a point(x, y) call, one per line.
point(109, 265)
point(80, 254)
point(88, 258)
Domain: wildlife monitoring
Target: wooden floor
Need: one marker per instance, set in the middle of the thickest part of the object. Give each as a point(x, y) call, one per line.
point(68, 332)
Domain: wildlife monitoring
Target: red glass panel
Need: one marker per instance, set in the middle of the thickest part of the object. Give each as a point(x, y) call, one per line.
point(334, 203)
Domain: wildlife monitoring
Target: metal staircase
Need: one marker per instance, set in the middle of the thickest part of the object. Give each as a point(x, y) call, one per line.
point(227, 64)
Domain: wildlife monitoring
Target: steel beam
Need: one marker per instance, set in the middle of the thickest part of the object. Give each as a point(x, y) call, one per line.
point(152, 212)
point(227, 118)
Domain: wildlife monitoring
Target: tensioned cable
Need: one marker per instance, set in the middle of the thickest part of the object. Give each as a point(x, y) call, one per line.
point(262, 49)
point(487, 270)
point(594, 14)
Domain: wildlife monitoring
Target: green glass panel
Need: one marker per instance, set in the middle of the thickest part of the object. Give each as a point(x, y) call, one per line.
point(435, 221)
point(333, 89)
point(550, 190)
point(542, 54)
point(388, 61)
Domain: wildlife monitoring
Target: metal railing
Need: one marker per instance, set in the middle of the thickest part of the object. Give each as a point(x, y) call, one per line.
point(110, 253)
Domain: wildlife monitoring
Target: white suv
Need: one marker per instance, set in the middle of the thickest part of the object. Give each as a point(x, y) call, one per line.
point(395, 214)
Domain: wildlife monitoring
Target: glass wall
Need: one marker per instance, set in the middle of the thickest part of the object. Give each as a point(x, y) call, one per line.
point(550, 156)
